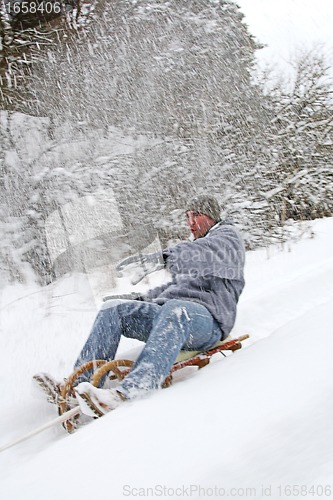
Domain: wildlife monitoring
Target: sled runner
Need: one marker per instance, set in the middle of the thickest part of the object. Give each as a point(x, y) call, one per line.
point(119, 368)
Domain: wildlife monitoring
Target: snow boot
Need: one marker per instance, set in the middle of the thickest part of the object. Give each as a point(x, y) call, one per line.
point(97, 402)
point(49, 386)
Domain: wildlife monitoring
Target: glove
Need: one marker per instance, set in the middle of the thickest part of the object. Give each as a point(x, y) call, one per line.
point(125, 296)
point(141, 265)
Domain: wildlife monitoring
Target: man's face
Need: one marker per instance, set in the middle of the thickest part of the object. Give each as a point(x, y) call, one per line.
point(199, 223)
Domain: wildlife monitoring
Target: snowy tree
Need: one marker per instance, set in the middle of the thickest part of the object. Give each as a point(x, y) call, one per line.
point(177, 71)
point(21, 221)
point(302, 141)
point(158, 102)
point(25, 34)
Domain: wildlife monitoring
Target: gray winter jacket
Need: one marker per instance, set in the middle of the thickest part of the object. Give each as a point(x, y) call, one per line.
point(209, 271)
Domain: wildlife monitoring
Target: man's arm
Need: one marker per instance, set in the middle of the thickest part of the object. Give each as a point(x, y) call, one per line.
point(220, 254)
point(125, 296)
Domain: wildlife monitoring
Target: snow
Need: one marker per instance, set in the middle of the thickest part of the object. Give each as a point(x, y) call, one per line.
point(255, 424)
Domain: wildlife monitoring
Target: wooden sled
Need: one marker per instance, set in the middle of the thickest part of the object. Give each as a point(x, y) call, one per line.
point(119, 368)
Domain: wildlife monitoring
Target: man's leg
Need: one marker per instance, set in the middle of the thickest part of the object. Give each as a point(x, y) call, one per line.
point(179, 324)
point(131, 318)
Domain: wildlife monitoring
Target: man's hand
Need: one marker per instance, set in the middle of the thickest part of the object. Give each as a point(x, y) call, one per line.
point(141, 265)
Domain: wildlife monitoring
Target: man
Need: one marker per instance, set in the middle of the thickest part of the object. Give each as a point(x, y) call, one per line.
point(194, 311)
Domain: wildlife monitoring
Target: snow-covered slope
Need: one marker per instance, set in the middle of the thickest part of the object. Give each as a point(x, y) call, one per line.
point(252, 425)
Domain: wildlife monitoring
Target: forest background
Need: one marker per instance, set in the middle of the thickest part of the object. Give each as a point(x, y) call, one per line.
point(156, 101)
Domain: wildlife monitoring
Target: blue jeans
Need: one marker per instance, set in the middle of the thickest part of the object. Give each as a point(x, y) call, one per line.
point(166, 329)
